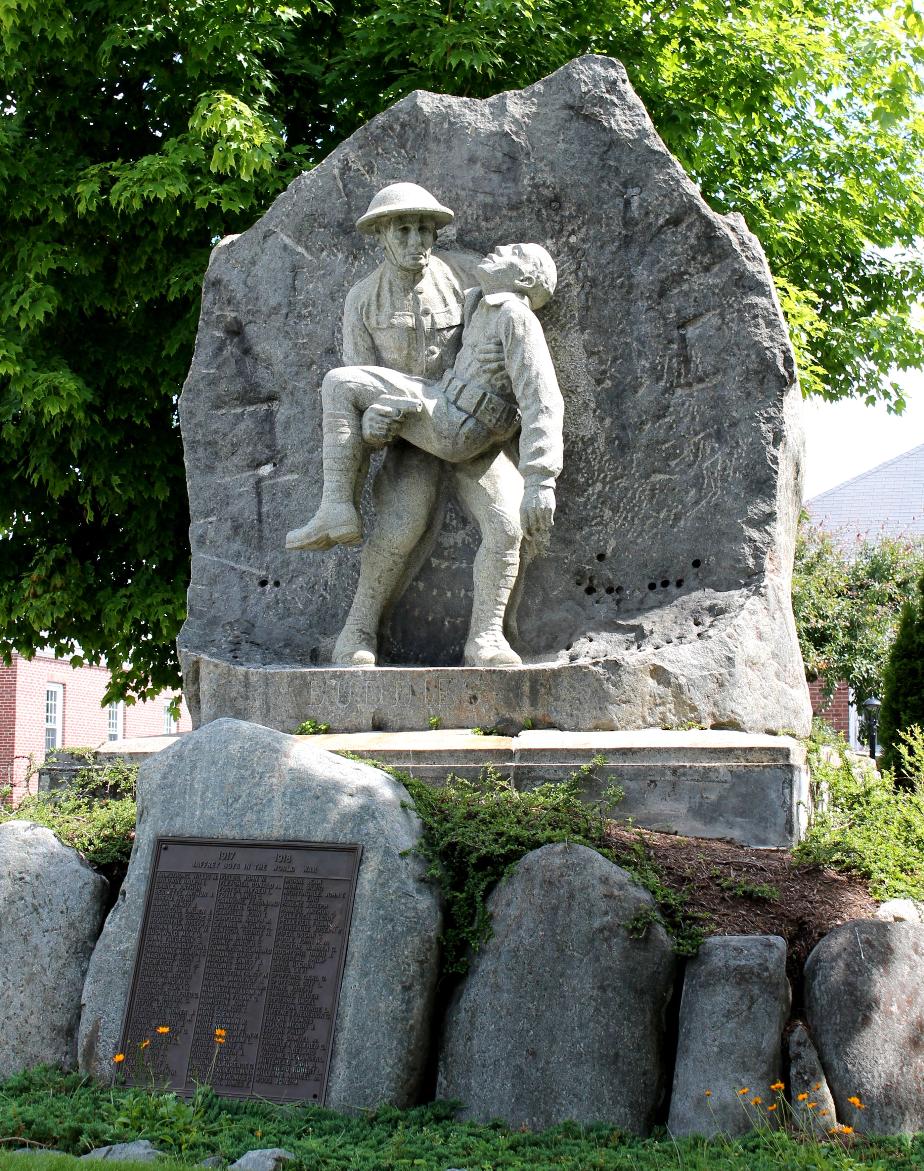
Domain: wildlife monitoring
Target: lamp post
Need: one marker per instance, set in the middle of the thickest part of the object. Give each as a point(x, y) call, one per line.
point(871, 706)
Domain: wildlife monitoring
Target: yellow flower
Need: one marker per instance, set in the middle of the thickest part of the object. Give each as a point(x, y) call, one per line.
point(801, 1097)
point(220, 1033)
point(119, 1058)
point(778, 1086)
point(744, 1091)
point(162, 1029)
point(770, 1109)
point(145, 1043)
point(258, 1134)
point(756, 1101)
point(709, 1093)
point(855, 1101)
point(811, 1105)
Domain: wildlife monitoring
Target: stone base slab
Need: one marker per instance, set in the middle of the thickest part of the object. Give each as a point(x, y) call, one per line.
point(598, 696)
point(751, 789)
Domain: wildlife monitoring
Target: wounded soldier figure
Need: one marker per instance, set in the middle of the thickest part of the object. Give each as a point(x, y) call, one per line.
point(475, 417)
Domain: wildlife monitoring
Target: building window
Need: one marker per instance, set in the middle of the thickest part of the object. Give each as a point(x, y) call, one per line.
point(170, 722)
point(116, 720)
point(54, 715)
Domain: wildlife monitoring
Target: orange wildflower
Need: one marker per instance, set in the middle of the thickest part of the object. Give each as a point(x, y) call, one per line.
point(119, 1058)
point(770, 1109)
point(855, 1101)
point(709, 1093)
point(145, 1043)
point(162, 1029)
point(801, 1097)
point(756, 1101)
point(778, 1086)
point(811, 1105)
point(744, 1091)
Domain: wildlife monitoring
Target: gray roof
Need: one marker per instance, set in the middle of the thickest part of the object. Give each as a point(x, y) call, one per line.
point(888, 500)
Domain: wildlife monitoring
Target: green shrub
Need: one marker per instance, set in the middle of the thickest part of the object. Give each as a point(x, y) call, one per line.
point(94, 812)
point(862, 822)
point(475, 832)
point(903, 681)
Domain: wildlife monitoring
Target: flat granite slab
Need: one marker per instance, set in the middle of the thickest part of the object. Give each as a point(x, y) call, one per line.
point(599, 696)
point(748, 788)
point(752, 789)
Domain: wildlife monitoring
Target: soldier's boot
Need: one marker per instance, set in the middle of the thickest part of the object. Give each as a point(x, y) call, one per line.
point(337, 521)
point(494, 577)
point(380, 572)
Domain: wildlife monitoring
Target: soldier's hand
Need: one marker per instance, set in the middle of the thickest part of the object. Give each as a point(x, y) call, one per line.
point(537, 513)
point(490, 355)
point(380, 425)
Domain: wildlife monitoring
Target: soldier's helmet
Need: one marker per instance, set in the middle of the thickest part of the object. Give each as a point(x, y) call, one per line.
point(403, 199)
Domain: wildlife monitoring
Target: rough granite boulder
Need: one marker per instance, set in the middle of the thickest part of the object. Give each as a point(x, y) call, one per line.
point(240, 781)
point(810, 1097)
point(51, 911)
point(732, 1013)
point(562, 1013)
point(664, 596)
point(864, 999)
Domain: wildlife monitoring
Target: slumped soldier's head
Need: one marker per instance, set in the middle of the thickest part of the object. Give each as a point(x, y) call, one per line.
point(520, 268)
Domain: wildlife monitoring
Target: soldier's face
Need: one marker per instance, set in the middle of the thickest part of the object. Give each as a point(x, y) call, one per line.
point(408, 241)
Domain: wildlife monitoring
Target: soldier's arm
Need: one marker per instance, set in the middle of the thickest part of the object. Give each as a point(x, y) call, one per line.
point(542, 409)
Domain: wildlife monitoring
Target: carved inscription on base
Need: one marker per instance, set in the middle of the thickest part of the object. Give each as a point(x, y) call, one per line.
point(238, 969)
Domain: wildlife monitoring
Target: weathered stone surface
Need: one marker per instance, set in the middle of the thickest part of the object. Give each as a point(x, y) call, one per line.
point(810, 1096)
point(139, 1151)
point(899, 911)
point(234, 780)
point(51, 910)
point(864, 999)
point(562, 1013)
point(734, 1006)
point(265, 1159)
point(664, 595)
point(751, 788)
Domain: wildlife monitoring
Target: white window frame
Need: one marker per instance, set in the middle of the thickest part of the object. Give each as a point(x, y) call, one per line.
point(115, 727)
point(54, 716)
point(171, 723)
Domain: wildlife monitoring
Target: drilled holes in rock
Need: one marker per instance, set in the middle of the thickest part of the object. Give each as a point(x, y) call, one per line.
point(263, 583)
point(314, 655)
point(276, 585)
point(473, 699)
point(610, 590)
point(664, 583)
point(696, 563)
point(652, 585)
point(591, 589)
point(601, 557)
point(679, 582)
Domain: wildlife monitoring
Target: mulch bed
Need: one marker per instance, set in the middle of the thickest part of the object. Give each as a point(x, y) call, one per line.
point(812, 899)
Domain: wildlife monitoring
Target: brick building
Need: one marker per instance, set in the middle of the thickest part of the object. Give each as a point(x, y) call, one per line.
point(45, 703)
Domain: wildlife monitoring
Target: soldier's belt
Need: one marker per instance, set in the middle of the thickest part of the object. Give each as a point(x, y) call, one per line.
point(495, 412)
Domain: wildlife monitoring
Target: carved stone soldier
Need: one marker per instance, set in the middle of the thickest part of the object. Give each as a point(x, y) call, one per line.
point(407, 316)
point(468, 418)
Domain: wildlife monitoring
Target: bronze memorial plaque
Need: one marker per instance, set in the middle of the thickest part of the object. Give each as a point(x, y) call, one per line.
point(238, 968)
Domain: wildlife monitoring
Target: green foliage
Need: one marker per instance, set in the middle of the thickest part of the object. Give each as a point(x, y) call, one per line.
point(847, 608)
point(312, 728)
point(94, 813)
point(903, 681)
point(743, 889)
point(862, 822)
point(475, 832)
point(73, 1114)
point(134, 135)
